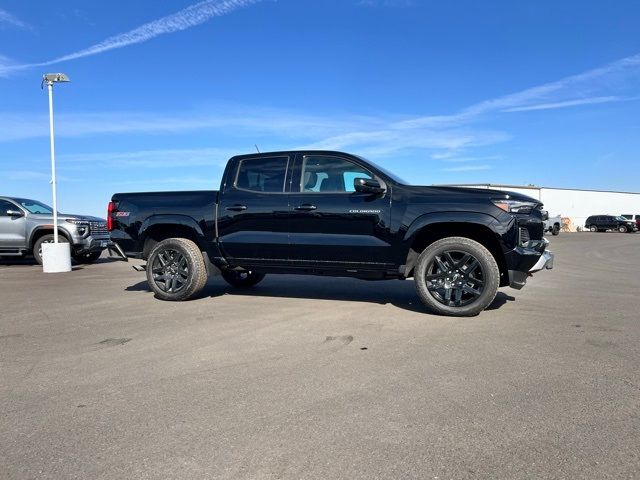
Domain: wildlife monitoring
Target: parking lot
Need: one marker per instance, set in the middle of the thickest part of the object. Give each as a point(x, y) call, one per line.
point(304, 377)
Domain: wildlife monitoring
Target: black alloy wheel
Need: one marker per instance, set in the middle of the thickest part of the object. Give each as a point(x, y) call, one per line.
point(170, 271)
point(455, 278)
point(176, 270)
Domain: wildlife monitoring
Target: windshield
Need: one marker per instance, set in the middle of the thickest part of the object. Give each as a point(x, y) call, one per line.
point(622, 219)
point(33, 206)
point(392, 176)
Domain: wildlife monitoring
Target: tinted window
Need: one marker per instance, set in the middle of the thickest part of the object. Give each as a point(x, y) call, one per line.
point(4, 206)
point(262, 174)
point(330, 174)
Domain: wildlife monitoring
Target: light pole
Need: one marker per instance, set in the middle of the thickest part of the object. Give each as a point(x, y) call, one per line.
point(56, 258)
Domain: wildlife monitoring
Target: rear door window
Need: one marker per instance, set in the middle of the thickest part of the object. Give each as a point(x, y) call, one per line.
point(262, 174)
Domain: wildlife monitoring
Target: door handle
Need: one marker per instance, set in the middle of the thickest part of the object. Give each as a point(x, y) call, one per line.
point(306, 207)
point(236, 208)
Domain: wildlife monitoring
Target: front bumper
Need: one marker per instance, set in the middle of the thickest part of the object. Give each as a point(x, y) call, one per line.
point(525, 260)
point(91, 244)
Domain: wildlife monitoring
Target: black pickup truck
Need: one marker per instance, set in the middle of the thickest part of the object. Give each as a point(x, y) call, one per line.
point(332, 213)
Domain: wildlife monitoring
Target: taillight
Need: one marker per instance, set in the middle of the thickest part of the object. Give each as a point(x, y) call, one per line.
point(110, 209)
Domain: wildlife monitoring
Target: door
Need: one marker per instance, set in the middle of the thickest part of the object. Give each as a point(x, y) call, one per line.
point(253, 210)
point(331, 223)
point(13, 229)
point(611, 223)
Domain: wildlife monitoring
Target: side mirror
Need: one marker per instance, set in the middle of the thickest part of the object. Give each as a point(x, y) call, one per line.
point(367, 185)
point(15, 213)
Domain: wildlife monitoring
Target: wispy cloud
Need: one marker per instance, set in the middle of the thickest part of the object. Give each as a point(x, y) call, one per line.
point(189, 17)
point(467, 168)
point(565, 104)
point(8, 19)
point(386, 3)
point(159, 158)
point(32, 175)
point(454, 133)
point(237, 121)
point(444, 137)
point(471, 159)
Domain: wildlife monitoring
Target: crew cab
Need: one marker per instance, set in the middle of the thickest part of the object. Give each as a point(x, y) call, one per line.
point(337, 214)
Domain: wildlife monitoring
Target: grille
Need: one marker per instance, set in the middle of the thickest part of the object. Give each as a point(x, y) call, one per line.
point(98, 229)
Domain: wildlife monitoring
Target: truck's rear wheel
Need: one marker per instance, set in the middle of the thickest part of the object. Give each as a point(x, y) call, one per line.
point(176, 269)
point(242, 279)
point(456, 276)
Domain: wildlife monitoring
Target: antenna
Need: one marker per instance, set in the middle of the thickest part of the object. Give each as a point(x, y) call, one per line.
point(257, 149)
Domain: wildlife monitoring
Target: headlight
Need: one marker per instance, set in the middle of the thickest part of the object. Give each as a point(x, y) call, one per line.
point(515, 206)
point(81, 225)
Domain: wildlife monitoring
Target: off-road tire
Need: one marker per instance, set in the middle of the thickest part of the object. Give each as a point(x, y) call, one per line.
point(37, 247)
point(194, 280)
point(242, 279)
point(489, 271)
point(86, 258)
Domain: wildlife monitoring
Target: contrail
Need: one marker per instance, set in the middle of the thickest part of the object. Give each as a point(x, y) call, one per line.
point(189, 17)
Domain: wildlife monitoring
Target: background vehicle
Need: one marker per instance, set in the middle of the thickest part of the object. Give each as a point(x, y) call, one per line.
point(601, 223)
point(634, 218)
point(26, 224)
point(552, 224)
point(331, 213)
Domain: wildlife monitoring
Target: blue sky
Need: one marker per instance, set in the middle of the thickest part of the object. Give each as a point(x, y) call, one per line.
point(162, 93)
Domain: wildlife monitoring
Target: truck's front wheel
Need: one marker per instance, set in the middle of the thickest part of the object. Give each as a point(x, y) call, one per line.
point(242, 279)
point(457, 276)
point(176, 269)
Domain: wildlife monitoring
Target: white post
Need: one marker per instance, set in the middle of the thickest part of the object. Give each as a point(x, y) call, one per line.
point(56, 256)
point(53, 165)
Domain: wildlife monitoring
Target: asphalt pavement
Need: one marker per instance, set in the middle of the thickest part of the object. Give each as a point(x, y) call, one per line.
point(322, 378)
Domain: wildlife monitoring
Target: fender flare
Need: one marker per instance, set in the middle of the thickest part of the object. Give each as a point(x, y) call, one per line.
point(170, 219)
point(472, 218)
point(477, 218)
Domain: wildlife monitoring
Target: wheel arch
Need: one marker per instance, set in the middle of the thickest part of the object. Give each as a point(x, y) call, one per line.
point(479, 229)
point(160, 227)
point(43, 230)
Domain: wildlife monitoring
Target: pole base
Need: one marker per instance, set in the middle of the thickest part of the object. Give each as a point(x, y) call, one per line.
point(56, 257)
